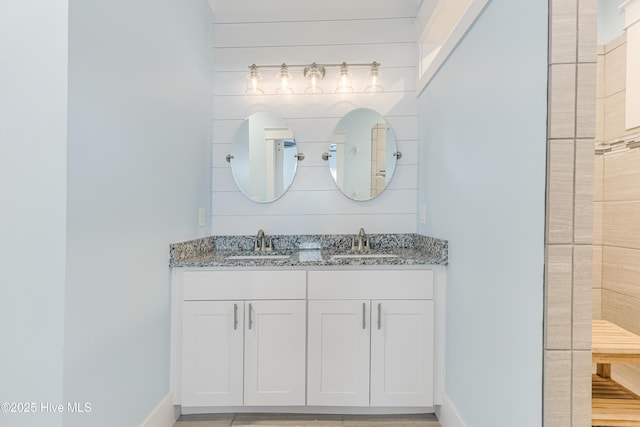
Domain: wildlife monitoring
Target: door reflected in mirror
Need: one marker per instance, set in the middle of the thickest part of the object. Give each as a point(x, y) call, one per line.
point(264, 157)
point(362, 154)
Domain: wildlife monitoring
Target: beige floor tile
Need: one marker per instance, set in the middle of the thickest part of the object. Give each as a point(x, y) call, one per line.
point(287, 420)
point(205, 420)
point(307, 420)
point(420, 420)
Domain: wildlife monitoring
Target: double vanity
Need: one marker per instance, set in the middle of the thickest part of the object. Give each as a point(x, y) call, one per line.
point(308, 323)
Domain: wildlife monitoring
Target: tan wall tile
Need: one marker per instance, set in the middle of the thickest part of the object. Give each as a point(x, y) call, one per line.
point(558, 297)
point(600, 119)
point(597, 222)
point(586, 101)
point(571, 300)
point(615, 70)
point(583, 196)
point(600, 77)
point(562, 97)
point(620, 225)
point(615, 43)
point(621, 270)
point(560, 192)
point(582, 296)
point(622, 176)
point(621, 310)
point(614, 116)
point(563, 31)
point(581, 396)
point(628, 376)
point(557, 389)
point(587, 30)
point(596, 304)
point(598, 184)
point(633, 131)
point(597, 266)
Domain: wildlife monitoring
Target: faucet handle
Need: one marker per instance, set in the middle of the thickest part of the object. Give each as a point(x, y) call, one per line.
point(365, 245)
point(353, 244)
point(256, 246)
point(268, 246)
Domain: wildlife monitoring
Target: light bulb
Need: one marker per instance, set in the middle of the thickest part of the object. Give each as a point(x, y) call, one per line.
point(344, 80)
point(374, 79)
point(314, 73)
point(253, 81)
point(283, 79)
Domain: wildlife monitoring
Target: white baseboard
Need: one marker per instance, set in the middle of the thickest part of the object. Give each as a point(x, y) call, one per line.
point(351, 410)
point(448, 415)
point(163, 415)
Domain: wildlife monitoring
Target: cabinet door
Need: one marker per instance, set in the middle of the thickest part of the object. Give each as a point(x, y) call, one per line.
point(274, 367)
point(212, 334)
point(339, 337)
point(402, 353)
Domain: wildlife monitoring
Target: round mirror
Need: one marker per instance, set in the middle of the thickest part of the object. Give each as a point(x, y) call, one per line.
point(362, 154)
point(264, 157)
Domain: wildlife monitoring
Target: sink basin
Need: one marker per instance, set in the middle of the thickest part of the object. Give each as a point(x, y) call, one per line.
point(347, 256)
point(258, 256)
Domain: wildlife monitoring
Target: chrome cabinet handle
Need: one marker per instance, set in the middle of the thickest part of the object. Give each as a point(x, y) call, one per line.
point(379, 316)
point(235, 316)
point(364, 313)
point(250, 321)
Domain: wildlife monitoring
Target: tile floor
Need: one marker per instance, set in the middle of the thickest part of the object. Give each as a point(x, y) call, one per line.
point(306, 420)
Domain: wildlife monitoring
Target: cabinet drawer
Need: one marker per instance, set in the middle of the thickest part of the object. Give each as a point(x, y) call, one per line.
point(371, 284)
point(241, 285)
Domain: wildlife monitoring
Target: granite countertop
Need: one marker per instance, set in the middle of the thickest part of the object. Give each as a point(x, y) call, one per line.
point(309, 250)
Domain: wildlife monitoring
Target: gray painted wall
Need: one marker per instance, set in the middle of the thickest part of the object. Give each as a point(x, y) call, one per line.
point(105, 129)
point(139, 135)
point(33, 117)
point(482, 179)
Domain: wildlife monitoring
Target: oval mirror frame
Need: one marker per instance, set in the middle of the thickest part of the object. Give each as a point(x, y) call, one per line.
point(362, 154)
point(264, 157)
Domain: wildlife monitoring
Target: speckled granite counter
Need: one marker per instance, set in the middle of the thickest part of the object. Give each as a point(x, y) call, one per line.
point(308, 250)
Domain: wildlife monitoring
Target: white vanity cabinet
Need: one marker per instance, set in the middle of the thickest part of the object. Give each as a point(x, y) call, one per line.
point(243, 338)
point(371, 338)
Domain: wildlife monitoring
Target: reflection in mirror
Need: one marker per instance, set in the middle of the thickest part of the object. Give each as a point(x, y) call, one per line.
point(362, 154)
point(264, 157)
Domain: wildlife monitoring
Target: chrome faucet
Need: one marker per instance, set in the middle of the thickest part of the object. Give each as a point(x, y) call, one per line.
point(261, 244)
point(363, 242)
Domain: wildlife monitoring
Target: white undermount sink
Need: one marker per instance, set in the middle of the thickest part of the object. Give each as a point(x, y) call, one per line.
point(347, 256)
point(259, 256)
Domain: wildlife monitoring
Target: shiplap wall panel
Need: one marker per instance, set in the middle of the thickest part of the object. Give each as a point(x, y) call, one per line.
point(315, 202)
point(278, 10)
point(315, 33)
point(249, 32)
point(327, 105)
point(316, 224)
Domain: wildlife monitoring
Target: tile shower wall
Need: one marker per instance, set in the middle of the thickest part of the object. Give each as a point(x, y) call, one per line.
point(570, 174)
point(328, 32)
point(617, 204)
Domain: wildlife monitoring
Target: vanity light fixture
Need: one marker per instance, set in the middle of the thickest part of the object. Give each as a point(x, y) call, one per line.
point(315, 73)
